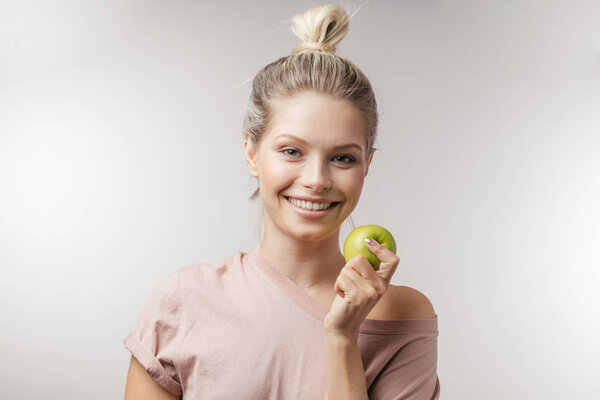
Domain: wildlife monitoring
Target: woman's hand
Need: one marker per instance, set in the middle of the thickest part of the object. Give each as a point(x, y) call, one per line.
point(359, 287)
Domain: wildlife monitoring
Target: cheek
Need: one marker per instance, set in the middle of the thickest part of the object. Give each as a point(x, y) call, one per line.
point(353, 184)
point(275, 175)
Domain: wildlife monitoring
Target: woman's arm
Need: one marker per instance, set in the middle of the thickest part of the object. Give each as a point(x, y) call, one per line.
point(345, 372)
point(140, 386)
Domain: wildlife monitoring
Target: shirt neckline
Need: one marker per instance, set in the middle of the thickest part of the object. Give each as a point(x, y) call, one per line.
point(318, 311)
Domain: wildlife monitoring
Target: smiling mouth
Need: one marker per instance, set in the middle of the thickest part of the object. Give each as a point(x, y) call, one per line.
point(333, 204)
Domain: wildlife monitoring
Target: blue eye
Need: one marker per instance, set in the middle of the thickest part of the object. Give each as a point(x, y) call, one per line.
point(350, 159)
point(345, 159)
point(285, 150)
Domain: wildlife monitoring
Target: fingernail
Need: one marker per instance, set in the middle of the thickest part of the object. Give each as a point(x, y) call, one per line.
point(370, 242)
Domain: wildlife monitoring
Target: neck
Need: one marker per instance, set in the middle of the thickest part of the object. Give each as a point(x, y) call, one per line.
point(309, 264)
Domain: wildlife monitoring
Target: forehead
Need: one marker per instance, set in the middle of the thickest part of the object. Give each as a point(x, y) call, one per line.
point(317, 118)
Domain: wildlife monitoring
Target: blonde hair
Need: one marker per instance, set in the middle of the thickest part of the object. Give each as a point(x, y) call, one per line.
point(314, 66)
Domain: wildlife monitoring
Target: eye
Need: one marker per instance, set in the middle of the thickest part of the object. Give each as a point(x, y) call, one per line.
point(350, 159)
point(284, 151)
point(345, 159)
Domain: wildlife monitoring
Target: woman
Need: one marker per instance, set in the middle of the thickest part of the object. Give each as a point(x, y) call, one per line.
point(291, 319)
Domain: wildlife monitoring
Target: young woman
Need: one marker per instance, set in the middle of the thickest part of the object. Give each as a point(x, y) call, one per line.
point(291, 319)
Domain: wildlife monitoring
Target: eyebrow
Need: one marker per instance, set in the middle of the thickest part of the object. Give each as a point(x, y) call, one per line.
point(342, 146)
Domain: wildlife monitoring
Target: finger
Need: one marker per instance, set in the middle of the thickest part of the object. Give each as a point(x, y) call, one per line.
point(368, 288)
point(389, 261)
point(338, 288)
point(348, 286)
point(364, 268)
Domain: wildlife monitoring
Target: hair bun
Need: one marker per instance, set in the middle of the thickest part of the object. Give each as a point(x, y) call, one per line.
point(320, 28)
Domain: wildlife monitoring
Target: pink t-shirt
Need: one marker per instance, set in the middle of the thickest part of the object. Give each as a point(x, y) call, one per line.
point(241, 329)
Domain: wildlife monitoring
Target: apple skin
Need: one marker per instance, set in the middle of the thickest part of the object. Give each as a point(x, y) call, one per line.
point(355, 243)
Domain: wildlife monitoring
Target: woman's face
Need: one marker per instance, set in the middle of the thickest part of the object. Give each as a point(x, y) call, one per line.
point(314, 148)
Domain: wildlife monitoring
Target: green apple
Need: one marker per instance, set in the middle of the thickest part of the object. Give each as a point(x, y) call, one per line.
point(355, 243)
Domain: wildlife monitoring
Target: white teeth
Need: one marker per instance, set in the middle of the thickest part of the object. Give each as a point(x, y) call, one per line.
point(307, 205)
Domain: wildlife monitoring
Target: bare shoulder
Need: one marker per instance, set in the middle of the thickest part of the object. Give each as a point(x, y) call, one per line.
point(403, 302)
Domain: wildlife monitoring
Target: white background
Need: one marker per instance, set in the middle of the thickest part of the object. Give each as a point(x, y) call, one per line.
point(121, 161)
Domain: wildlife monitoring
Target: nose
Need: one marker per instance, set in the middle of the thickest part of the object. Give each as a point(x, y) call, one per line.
point(316, 175)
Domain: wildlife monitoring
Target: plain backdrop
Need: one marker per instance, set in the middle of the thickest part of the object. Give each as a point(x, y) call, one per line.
point(121, 161)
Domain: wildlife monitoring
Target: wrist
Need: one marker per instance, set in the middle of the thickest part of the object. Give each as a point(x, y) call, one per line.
point(341, 337)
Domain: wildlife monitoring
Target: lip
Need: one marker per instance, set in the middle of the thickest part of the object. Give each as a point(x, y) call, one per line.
point(312, 214)
point(312, 200)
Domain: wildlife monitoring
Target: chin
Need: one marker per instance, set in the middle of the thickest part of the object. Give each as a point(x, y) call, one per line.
point(314, 233)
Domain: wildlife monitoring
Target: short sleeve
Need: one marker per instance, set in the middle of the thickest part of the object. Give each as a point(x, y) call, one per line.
point(154, 339)
point(411, 374)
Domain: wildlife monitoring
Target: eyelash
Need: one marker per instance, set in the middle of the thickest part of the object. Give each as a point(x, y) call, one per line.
point(351, 159)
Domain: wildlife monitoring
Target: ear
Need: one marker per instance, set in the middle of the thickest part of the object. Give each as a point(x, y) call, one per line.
point(373, 150)
point(251, 156)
